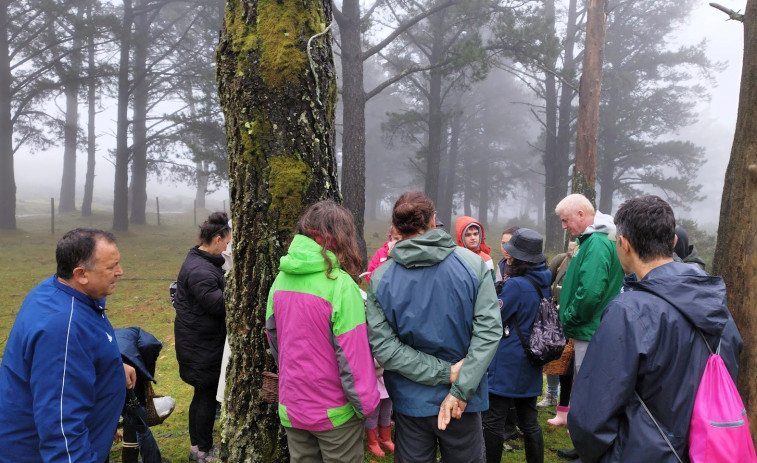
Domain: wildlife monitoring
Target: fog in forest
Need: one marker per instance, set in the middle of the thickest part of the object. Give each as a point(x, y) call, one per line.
point(493, 134)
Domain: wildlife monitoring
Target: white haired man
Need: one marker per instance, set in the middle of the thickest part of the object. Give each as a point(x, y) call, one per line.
point(593, 278)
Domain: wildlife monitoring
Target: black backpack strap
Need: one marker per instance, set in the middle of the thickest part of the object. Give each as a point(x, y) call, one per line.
point(515, 322)
point(536, 287)
point(523, 342)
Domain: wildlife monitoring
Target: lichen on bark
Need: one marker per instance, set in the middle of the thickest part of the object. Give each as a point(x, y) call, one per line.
point(288, 180)
point(582, 185)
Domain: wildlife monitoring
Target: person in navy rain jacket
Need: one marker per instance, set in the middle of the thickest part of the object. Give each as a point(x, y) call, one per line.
point(62, 376)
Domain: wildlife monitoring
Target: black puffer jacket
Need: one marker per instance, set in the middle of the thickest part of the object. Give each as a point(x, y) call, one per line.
point(200, 326)
point(647, 343)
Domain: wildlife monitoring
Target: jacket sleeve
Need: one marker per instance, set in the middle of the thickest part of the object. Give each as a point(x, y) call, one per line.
point(377, 259)
point(591, 285)
point(62, 382)
point(396, 356)
point(353, 354)
point(595, 416)
point(208, 293)
point(270, 326)
point(487, 332)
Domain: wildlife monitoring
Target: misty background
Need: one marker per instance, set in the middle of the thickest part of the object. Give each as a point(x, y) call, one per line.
point(499, 104)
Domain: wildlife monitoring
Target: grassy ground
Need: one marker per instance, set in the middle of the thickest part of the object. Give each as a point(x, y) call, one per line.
point(151, 257)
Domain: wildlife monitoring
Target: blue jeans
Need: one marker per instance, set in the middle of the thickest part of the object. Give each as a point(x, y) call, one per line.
point(553, 381)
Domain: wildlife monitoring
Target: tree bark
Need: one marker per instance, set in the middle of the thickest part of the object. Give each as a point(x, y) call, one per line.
point(279, 110)
point(557, 162)
point(141, 86)
point(89, 178)
point(585, 172)
point(201, 177)
point(434, 146)
point(551, 175)
point(121, 181)
point(7, 175)
point(67, 200)
point(736, 250)
point(444, 209)
point(353, 115)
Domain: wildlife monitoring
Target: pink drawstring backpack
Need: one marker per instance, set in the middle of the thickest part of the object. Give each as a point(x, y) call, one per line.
point(719, 430)
point(719, 425)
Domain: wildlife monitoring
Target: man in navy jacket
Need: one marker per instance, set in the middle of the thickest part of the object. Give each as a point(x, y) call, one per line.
point(647, 343)
point(62, 377)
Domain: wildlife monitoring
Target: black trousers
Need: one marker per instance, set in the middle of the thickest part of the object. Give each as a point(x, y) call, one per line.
point(202, 414)
point(416, 439)
point(494, 427)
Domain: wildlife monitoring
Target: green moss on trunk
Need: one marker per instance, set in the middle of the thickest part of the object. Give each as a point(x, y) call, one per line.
point(288, 180)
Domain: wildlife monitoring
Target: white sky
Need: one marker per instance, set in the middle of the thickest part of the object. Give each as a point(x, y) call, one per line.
point(714, 130)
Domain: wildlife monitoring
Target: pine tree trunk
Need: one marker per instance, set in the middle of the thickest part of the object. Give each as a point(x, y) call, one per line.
point(353, 135)
point(736, 250)
point(279, 110)
point(556, 170)
point(201, 178)
point(444, 206)
point(67, 201)
point(7, 175)
point(139, 127)
point(89, 177)
point(585, 172)
point(121, 181)
point(435, 99)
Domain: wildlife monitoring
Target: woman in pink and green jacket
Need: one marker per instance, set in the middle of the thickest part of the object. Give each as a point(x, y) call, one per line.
point(315, 320)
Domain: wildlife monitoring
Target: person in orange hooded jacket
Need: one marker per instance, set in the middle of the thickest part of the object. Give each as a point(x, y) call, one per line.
point(469, 234)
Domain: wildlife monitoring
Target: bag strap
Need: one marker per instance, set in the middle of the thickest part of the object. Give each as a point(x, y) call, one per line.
point(711, 352)
point(536, 287)
point(523, 343)
point(517, 330)
point(662, 433)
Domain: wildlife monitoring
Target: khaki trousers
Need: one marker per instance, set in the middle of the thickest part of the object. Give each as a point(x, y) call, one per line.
point(343, 444)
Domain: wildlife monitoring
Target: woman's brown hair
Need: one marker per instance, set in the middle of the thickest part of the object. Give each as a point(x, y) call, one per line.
point(412, 213)
point(217, 224)
point(332, 226)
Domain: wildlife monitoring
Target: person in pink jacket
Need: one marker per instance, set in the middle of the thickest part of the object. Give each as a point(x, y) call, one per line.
point(315, 321)
point(382, 253)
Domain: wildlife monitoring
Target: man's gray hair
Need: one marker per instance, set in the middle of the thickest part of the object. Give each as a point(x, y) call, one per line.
point(573, 203)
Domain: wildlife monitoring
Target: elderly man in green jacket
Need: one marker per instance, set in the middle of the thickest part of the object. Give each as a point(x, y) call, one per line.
point(594, 276)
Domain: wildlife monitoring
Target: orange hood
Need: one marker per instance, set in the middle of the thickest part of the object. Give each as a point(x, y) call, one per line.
point(461, 225)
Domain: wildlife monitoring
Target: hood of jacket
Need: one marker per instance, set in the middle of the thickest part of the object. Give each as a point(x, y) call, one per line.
point(701, 298)
point(603, 223)
point(425, 250)
point(304, 257)
point(463, 224)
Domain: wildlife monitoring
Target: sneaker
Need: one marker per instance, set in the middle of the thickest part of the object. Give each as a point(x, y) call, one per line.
point(209, 456)
point(549, 400)
point(193, 453)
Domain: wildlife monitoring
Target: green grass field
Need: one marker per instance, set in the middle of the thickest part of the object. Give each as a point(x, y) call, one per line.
point(151, 257)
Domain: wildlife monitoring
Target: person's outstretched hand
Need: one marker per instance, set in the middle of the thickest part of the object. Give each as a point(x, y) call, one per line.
point(451, 407)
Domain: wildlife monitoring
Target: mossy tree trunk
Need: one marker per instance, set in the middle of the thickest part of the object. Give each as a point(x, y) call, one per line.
point(279, 109)
point(585, 171)
point(736, 251)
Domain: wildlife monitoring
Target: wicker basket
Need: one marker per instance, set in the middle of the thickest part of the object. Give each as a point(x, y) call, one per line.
point(153, 419)
point(270, 387)
point(561, 365)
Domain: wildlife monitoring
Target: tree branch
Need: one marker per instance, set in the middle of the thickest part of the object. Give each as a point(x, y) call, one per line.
point(735, 15)
point(403, 27)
